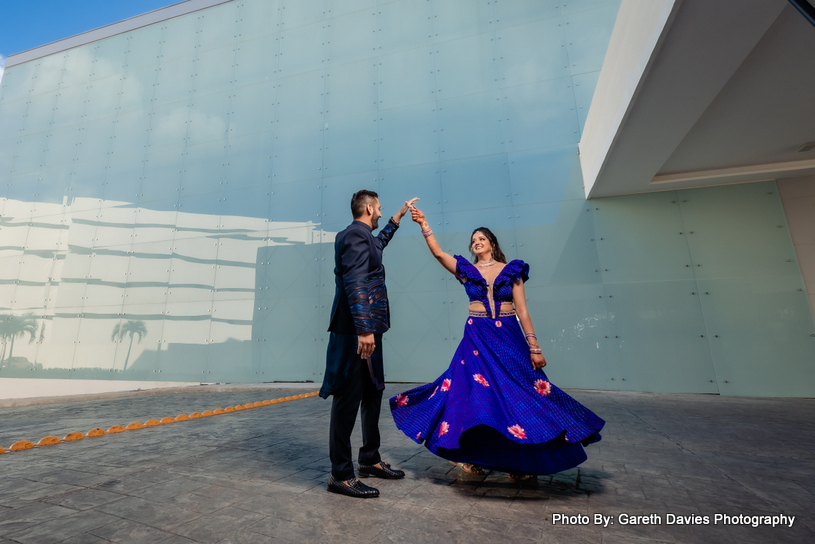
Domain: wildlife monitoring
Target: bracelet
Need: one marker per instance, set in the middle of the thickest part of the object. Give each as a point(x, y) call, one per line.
point(531, 335)
point(536, 351)
point(427, 234)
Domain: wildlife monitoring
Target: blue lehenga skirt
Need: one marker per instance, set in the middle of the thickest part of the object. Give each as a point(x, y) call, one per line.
point(492, 408)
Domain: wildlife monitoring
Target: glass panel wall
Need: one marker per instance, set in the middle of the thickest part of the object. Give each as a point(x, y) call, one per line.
point(169, 199)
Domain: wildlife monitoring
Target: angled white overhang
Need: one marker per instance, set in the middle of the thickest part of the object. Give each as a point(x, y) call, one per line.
point(696, 93)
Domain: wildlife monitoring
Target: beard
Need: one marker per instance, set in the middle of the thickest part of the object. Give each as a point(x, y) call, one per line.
point(375, 222)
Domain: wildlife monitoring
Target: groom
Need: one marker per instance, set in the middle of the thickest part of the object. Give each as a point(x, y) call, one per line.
point(354, 373)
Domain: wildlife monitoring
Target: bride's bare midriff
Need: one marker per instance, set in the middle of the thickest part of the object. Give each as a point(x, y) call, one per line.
point(479, 307)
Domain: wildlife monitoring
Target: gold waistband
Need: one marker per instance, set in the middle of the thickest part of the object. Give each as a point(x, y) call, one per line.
point(502, 313)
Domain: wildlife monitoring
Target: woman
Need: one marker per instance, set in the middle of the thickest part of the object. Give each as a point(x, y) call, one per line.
point(494, 407)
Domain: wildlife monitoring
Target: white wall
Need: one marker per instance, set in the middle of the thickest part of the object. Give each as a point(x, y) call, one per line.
point(22, 388)
point(798, 198)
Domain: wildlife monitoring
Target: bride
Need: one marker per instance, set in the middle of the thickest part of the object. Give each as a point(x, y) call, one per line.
point(494, 407)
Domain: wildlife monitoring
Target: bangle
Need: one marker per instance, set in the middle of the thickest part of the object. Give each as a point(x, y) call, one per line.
point(531, 335)
point(427, 234)
point(536, 351)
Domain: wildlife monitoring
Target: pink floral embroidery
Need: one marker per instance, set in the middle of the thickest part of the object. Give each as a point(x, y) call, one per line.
point(498, 324)
point(446, 384)
point(401, 400)
point(543, 387)
point(443, 428)
point(566, 437)
point(480, 379)
point(517, 431)
point(462, 361)
point(475, 352)
point(469, 321)
point(434, 392)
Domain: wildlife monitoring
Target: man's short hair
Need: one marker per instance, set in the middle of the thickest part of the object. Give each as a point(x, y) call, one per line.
point(360, 200)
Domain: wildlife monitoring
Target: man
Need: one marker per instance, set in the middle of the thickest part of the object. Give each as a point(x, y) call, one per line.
point(354, 373)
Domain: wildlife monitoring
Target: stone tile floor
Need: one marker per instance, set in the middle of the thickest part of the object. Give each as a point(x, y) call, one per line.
point(259, 476)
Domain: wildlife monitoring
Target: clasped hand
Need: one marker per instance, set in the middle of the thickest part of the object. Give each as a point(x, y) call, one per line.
point(408, 205)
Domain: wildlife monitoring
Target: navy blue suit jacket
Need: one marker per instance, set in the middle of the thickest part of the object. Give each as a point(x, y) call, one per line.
point(360, 296)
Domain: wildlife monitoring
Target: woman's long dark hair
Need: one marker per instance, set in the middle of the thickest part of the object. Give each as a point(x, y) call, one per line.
point(497, 254)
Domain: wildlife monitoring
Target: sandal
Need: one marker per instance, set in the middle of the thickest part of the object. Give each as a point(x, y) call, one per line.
point(470, 468)
point(520, 477)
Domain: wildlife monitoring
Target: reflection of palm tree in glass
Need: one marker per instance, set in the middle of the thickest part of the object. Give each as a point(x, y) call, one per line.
point(129, 328)
point(14, 326)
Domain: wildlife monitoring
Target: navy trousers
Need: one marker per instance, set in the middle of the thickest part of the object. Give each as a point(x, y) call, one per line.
point(356, 391)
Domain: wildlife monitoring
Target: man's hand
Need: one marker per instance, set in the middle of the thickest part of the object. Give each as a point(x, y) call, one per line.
point(366, 345)
point(404, 209)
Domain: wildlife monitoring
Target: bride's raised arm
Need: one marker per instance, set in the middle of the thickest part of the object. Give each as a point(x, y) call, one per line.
point(447, 261)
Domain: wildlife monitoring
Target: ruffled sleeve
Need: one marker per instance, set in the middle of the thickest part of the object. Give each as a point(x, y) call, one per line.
point(515, 270)
point(465, 271)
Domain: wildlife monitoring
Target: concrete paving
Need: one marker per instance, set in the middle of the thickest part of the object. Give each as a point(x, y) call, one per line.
point(259, 475)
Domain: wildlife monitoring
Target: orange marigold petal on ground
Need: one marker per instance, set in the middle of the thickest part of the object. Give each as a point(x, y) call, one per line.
point(167, 419)
point(95, 432)
point(70, 437)
point(217, 411)
point(133, 426)
point(207, 413)
point(21, 445)
point(184, 417)
point(2, 451)
point(196, 415)
point(249, 405)
point(152, 423)
point(257, 404)
point(117, 429)
point(227, 409)
point(49, 441)
point(266, 402)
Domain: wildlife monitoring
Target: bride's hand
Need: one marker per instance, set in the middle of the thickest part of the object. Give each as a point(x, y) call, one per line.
point(538, 361)
point(417, 215)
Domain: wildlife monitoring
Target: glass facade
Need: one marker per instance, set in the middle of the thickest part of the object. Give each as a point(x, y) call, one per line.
point(170, 197)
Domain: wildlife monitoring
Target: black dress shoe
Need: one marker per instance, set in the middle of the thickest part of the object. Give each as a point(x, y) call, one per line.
point(355, 488)
point(385, 472)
